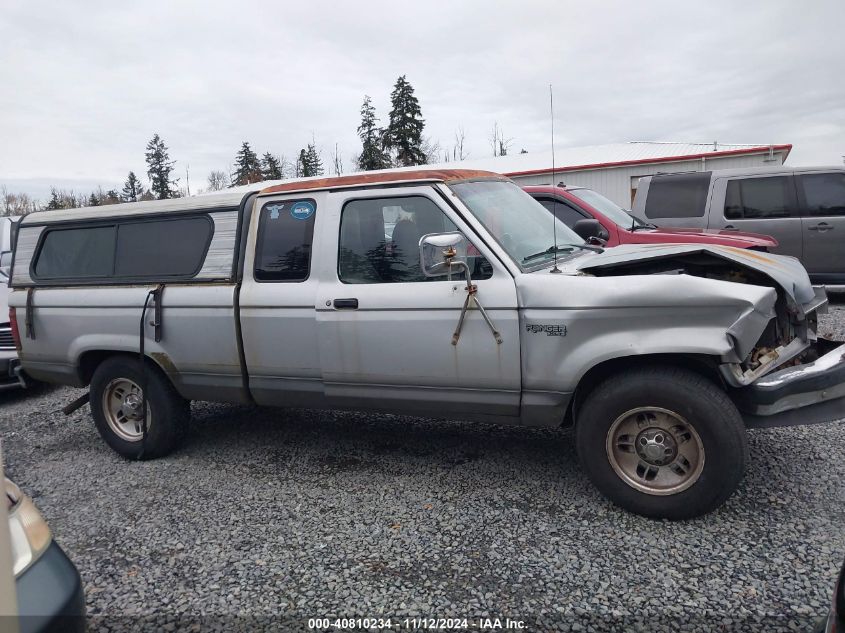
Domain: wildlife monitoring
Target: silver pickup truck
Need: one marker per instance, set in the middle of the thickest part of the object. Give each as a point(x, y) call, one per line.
point(438, 293)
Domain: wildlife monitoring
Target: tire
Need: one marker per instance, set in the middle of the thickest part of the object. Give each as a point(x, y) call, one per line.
point(118, 379)
point(622, 440)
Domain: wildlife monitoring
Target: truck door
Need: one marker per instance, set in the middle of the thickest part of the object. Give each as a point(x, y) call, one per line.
point(759, 204)
point(385, 331)
point(822, 196)
point(278, 322)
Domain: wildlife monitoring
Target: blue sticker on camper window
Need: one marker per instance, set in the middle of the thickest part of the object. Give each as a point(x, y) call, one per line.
point(274, 210)
point(302, 210)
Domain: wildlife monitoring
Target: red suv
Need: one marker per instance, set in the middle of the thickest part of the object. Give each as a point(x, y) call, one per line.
point(576, 204)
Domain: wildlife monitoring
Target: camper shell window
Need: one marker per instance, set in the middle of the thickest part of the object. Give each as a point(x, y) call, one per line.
point(159, 248)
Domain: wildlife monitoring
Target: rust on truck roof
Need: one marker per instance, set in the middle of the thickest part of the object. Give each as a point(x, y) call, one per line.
point(377, 178)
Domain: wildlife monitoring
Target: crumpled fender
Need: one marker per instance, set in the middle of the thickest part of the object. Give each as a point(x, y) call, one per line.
point(603, 318)
point(786, 271)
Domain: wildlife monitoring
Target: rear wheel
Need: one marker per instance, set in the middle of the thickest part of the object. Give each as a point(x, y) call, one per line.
point(117, 404)
point(662, 442)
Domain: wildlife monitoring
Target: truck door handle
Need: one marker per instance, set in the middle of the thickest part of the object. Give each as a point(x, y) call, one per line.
point(821, 226)
point(345, 304)
point(730, 227)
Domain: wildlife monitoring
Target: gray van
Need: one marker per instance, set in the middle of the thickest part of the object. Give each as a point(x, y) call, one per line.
point(803, 208)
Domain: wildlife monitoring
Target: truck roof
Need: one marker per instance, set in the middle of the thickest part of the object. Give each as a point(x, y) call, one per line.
point(383, 177)
point(229, 199)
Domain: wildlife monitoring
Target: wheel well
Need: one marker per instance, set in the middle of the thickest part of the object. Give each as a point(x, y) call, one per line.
point(700, 364)
point(90, 360)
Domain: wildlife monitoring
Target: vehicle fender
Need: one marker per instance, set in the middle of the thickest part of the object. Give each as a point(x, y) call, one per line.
point(611, 318)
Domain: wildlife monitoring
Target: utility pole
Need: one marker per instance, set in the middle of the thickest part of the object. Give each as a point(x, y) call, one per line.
point(188, 178)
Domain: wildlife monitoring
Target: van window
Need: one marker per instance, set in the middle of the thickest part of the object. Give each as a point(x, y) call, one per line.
point(677, 195)
point(285, 234)
point(162, 248)
point(824, 194)
point(379, 240)
point(759, 198)
point(71, 253)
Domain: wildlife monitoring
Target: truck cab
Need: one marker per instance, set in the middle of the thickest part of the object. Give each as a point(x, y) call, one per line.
point(440, 293)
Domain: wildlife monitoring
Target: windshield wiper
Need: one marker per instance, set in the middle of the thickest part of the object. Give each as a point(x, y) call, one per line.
point(566, 248)
point(548, 251)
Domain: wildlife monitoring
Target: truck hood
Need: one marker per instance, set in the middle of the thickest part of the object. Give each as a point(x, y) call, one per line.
point(710, 236)
point(786, 271)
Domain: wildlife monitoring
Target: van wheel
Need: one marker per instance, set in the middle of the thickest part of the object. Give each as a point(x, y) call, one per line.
point(662, 442)
point(116, 403)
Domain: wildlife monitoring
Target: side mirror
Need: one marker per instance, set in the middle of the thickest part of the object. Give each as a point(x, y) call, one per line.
point(443, 254)
point(590, 228)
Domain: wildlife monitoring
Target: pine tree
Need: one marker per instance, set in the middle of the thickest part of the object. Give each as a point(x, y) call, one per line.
point(55, 201)
point(132, 188)
point(247, 167)
point(271, 167)
point(404, 132)
point(309, 163)
point(159, 167)
point(372, 154)
point(93, 200)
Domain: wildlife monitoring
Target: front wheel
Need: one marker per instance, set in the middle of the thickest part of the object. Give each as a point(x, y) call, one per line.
point(117, 405)
point(662, 442)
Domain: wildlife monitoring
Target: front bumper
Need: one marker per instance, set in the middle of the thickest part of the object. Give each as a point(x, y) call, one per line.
point(50, 596)
point(804, 394)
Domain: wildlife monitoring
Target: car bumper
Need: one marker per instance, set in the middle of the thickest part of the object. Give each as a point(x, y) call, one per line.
point(11, 376)
point(804, 394)
point(50, 596)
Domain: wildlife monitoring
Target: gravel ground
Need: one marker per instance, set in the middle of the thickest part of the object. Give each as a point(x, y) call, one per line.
point(297, 514)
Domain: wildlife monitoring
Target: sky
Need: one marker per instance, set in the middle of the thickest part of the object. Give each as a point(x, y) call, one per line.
point(86, 84)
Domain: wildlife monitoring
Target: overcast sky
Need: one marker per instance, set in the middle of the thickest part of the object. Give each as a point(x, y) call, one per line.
point(85, 84)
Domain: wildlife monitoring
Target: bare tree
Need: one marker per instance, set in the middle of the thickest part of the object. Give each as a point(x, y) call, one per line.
point(458, 152)
point(337, 161)
point(430, 149)
point(286, 167)
point(218, 180)
point(498, 142)
point(16, 203)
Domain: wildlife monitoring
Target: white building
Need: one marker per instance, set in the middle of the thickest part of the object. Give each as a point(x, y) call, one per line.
point(614, 170)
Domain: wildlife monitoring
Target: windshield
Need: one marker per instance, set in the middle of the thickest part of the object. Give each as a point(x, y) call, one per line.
point(608, 208)
point(520, 224)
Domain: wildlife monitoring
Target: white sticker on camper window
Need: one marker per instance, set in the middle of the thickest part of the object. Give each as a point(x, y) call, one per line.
point(274, 210)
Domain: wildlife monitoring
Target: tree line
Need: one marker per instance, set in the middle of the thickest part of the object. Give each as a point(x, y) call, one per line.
point(401, 143)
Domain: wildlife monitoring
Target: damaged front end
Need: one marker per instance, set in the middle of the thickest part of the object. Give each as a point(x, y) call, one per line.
point(780, 371)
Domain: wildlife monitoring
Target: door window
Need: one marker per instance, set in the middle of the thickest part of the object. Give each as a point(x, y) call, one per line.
point(285, 234)
point(824, 194)
point(379, 240)
point(562, 211)
point(759, 198)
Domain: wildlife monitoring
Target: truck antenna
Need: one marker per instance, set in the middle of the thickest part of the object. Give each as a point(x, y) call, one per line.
point(554, 197)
